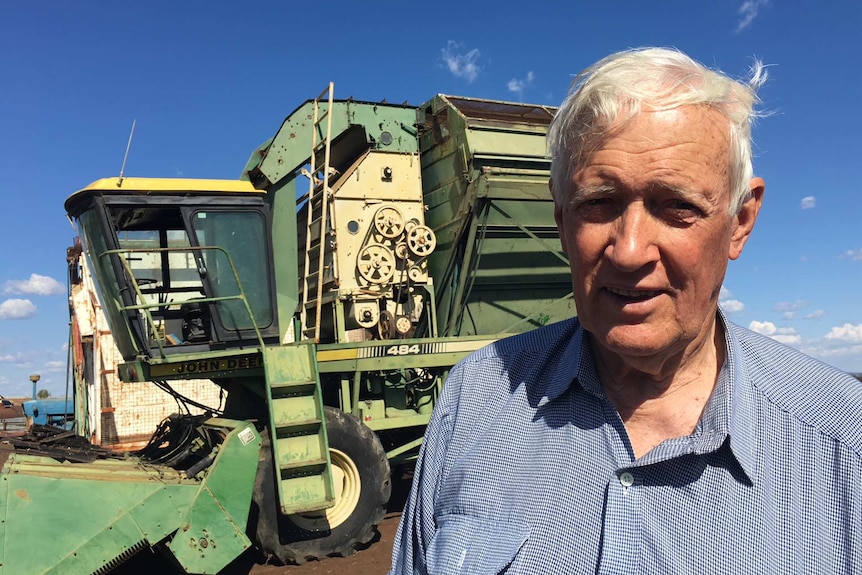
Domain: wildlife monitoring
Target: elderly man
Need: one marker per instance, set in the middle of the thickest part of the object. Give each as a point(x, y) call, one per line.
point(649, 434)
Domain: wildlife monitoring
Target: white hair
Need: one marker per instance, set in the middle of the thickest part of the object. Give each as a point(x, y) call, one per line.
point(610, 93)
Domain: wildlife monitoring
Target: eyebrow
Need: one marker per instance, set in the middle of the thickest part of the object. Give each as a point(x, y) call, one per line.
point(581, 192)
point(606, 189)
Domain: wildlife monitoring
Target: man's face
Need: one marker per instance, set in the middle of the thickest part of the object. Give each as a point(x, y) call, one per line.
point(646, 225)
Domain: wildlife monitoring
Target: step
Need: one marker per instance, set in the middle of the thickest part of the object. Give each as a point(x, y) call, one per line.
point(296, 469)
point(298, 451)
point(281, 388)
point(307, 493)
point(294, 411)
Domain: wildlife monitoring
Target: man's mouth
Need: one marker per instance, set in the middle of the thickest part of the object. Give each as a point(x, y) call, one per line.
point(639, 294)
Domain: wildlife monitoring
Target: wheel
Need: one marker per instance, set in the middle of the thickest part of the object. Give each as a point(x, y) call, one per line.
point(401, 250)
point(389, 222)
point(421, 240)
point(386, 325)
point(376, 263)
point(361, 478)
point(403, 325)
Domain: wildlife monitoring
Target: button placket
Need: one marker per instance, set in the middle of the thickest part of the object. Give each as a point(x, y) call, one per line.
point(621, 530)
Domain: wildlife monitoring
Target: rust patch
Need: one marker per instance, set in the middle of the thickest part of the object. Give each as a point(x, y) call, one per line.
point(22, 493)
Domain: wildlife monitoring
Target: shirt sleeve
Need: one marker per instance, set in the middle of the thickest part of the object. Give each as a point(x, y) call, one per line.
point(418, 525)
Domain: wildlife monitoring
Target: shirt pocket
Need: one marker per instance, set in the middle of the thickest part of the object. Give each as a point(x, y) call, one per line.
point(465, 544)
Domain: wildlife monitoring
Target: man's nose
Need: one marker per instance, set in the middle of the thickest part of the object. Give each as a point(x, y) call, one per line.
point(632, 244)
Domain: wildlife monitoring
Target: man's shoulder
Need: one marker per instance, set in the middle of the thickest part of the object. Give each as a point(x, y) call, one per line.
point(542, 359)
point(541, 340)
point(807, 389)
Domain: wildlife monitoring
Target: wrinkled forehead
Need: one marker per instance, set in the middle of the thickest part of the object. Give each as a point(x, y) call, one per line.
point(697, 129)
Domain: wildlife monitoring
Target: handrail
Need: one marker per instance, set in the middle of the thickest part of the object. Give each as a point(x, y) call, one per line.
point(156, 305)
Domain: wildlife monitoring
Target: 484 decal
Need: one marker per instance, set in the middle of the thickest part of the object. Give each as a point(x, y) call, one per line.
point(403, 349)
point(392, 349)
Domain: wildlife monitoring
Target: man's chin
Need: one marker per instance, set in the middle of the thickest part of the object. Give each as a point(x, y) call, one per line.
point(634, 340)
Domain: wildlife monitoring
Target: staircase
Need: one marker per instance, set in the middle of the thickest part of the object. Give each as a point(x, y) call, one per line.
point(300, 447)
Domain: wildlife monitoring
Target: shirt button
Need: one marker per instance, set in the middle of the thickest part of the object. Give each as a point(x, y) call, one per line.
point(627, 479)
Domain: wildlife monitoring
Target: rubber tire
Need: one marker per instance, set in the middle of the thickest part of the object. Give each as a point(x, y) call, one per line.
point(283, 540)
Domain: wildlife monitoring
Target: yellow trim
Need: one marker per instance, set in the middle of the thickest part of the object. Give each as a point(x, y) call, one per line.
point(337, 354)
point(170, 185)
point(472, 345)
point(163, 185)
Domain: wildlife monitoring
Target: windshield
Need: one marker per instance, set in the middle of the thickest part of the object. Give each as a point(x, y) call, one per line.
point(181, 274)
point(240, 235)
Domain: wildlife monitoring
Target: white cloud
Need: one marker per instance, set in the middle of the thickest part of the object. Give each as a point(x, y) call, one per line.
point(462, 65)
point(732, 306)
point(7, 358)
point(748, 12)
point(789, 306)
point(855, 255)
point(787, 339)
point(37, 285)
point(846, 332)
point(786, 335)
point(55, 366)
point(17, 309)
point(518, 86)
point(808, 202)
point(724, 293)
point(816, 314)
point(846, 356)
point(763, 327)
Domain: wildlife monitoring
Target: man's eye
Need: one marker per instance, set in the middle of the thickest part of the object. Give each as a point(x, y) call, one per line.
point(596, 209)
point(595, 202)
point(594, 206)
point(682, 211)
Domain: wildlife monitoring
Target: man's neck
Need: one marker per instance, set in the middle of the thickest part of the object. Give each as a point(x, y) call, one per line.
point(661, 398)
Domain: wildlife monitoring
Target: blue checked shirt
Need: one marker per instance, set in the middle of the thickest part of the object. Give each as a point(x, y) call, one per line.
point(527, 469)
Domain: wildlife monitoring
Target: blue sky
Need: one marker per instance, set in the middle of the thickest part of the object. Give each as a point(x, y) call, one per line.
point(208, 82)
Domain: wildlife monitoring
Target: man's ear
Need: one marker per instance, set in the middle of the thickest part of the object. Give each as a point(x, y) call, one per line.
point(744, 220)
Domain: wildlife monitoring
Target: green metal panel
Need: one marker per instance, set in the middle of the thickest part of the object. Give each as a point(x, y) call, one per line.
point(282, 198)
point(364, 122)
point(508, 144)
point(498, 265)
point(212, 532)
point(103, 512)
point(38, 492)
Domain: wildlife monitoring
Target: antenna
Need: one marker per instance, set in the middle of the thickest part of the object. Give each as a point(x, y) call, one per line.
point(126, 156)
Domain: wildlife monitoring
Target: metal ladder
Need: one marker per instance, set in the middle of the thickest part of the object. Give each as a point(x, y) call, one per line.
point(318, 192)
point(300, 449)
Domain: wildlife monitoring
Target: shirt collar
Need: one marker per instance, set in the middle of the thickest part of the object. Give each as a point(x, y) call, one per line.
point(731, 411)
point(571, 364)
point(742, 419)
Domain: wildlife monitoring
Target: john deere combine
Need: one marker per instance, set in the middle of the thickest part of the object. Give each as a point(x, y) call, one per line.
point(330, 317)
